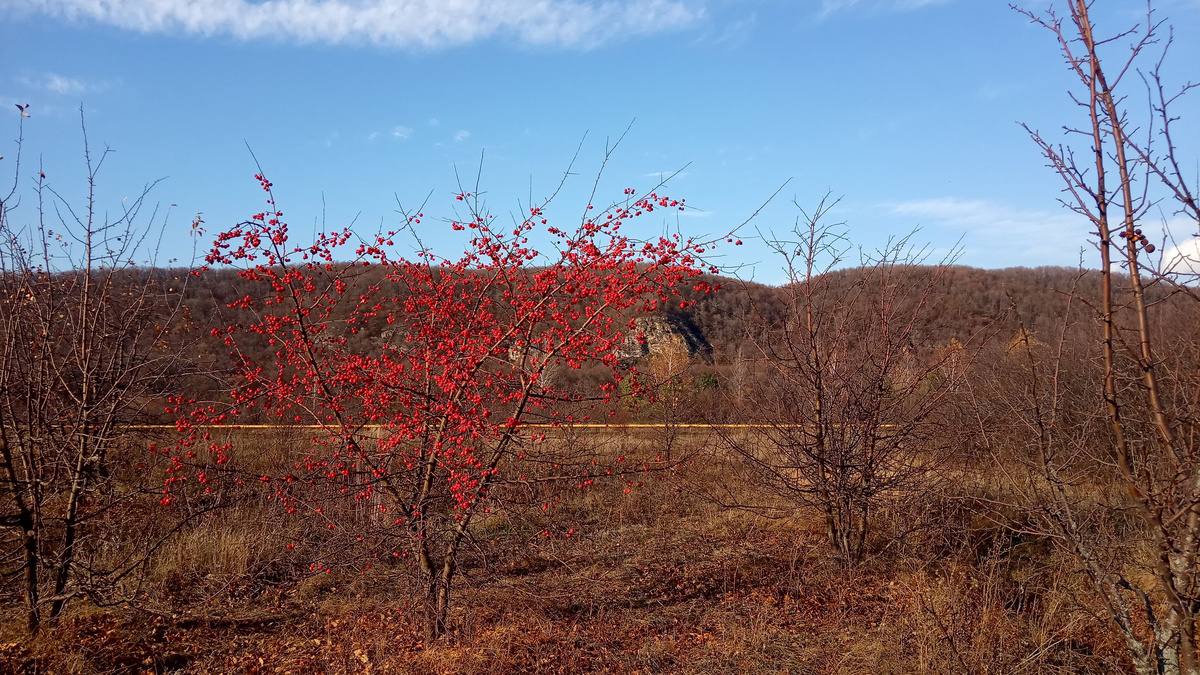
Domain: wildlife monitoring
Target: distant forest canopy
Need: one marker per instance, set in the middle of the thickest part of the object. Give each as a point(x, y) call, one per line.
point(718, 331)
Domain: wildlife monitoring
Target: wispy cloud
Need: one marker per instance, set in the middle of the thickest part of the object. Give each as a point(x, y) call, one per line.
point(992, 91)
point(830, 7)
point(1183, 260)
point(1181, 257)
point(995, 233)
point(401, 132)
point(461, 135)
point(663, 175)
point(62, 85)
point(392, 23)
point(65, 85)
point(37, 107)
point(1014, 233)
point(731, 33)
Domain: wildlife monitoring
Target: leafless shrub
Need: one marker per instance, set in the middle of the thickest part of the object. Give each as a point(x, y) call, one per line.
point(84, 349)
point(846, 412)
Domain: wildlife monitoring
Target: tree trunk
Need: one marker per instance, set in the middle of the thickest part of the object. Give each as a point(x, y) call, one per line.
point(67, 559)
point(832, 530)
point(860, 545)
point(70, 534)
point(28, 522)
point(33, 617)
point(437, 600)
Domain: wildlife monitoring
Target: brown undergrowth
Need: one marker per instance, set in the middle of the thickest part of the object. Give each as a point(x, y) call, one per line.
point(659, 579)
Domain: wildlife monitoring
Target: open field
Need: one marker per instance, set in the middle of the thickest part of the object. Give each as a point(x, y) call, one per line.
point(823, 366)
point(658, 578)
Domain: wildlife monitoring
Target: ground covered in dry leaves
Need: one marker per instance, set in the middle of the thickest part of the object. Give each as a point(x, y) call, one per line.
point(658, 580)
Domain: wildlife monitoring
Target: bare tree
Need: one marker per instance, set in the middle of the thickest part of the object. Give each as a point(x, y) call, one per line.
point(84, 349)
point(1114, 477)
point(844, 415)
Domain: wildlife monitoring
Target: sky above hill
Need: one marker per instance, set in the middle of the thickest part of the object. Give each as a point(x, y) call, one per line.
point(907, 109)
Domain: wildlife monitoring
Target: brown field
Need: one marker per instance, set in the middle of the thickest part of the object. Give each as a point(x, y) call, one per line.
point(657, 578)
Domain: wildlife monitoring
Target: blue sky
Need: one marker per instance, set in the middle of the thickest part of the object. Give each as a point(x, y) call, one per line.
point(906, 108)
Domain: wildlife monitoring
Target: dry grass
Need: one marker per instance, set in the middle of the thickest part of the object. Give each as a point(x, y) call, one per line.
point(658, 580)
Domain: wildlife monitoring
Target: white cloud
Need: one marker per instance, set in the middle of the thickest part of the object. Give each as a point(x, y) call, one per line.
point(1181, 244)
point(461, 135)
point(999, 232)
point(663, 175)
point(61, 85)
point(991, 91)
point(1183, 260)
point(373, 136)
point(730, 33)
point(433, 122)
point(37, 108)
point(64, 85)
point(401, 132)
point(830, 7)
point(392, 23)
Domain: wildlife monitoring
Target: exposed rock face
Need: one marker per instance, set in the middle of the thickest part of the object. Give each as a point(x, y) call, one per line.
point(662, 333)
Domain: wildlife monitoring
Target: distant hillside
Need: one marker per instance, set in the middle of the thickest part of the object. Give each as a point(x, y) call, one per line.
point(969, 302)
point(971, 299)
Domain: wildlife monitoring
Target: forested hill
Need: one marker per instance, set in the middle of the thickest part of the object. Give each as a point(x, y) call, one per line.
point(970, 304)
point(967, 299)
